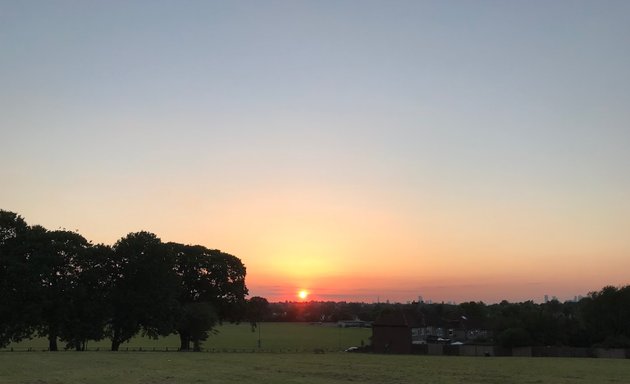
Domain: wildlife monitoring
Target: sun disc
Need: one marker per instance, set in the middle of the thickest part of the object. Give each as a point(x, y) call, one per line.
point(303, 294)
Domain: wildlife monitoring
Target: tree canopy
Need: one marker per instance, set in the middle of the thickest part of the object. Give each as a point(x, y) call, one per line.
point(58, 285)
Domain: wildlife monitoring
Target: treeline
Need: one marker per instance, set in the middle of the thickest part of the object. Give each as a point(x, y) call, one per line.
point(602, 319)
point(58, 285)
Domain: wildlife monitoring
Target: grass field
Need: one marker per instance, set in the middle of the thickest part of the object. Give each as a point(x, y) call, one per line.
point(304, 368)
point(267, 367)
point(274, 336)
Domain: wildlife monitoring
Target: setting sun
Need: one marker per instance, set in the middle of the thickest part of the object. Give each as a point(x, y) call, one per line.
point(303, 294)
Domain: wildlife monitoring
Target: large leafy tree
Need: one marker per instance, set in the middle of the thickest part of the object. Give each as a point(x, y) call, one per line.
point(607, 316)
point(12, 226)
point(53, 260)
point(211, 289)
point(196, 321)
point(15, 321)
point(224, 275)
point(257, 310)
point(144, 288)
point(89, 308)
point(38, 268)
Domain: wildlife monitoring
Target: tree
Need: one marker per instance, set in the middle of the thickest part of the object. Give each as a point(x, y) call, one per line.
point(53, 257)
point(607, 316)
point(12, 226)
point(257, 311)
point(15, 321)
point(514, 337)
point(476, 314)
point(211, 287)
point(144, 289)
point(89, 308)
point(197, 320)
point(225, 279)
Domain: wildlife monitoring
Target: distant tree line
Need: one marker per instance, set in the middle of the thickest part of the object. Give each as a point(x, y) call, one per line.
point(58, 285)
point(600, 319)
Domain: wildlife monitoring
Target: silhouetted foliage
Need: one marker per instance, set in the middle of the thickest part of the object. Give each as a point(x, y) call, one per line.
point(90, 306)
point(601, 319)
point(58, 285)
point(144, 288)
point(196, 321)
point(514, 337)
point(257, 310)
point(55, 271)
point(607, 316)
point(211, 288)
point(16, 321)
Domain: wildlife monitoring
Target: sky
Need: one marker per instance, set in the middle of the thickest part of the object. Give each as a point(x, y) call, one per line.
point(360, 150)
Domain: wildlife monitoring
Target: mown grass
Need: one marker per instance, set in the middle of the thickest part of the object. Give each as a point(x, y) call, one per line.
point(304, 368)
point(274, 337)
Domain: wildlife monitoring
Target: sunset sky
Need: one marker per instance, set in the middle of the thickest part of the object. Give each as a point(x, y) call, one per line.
point(361, 150)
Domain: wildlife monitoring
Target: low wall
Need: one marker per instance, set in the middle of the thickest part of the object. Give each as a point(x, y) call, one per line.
point(522, 351)
point(476, 350)
point(560, 352)
point(612, 353)
point(435, 349)
point(489, 350)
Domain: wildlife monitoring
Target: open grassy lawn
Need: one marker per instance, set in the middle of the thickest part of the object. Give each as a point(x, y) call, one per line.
point(306, 367)
point(276, 368)
point(274, 336)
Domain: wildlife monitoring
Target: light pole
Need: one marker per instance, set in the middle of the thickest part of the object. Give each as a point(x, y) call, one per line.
point(259, 341)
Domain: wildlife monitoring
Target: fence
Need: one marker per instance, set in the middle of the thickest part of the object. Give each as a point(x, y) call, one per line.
point(423, 349)
point(175, 349)
point(489, 350)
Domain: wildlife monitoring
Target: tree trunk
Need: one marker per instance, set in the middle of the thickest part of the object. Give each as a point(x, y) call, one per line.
point(80, 345)
point(196, 345)
point(184, 342)
point(116, 339)
point(52, 342)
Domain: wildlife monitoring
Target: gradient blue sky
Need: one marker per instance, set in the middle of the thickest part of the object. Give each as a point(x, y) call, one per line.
point(458, 150)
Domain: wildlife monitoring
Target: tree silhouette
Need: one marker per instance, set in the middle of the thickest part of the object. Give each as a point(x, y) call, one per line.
point(211, 288)
point(54, 262)
point(90, 308)
point(15, 321)
point(144, 289)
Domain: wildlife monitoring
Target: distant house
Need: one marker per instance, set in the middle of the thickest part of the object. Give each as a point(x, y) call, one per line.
point(405, 331)
point(451, 331)
point(392, 331)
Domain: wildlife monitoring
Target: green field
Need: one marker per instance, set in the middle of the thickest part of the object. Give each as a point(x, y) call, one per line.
point(274, 336)
point(286, 357)
point(277, 368)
